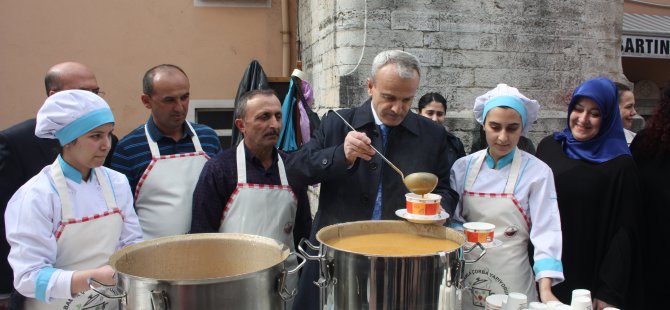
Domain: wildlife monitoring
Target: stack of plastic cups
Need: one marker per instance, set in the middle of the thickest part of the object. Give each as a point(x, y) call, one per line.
point(581, 300)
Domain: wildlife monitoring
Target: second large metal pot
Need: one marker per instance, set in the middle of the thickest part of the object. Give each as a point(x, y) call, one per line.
point(358, 281)
point(203, 271)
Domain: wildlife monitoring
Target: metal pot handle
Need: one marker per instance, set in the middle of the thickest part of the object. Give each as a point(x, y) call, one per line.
point(325, 277)
point(119, 292)
point(159, 300)
point(466, 251)
point(311, 246)
point(283, 289)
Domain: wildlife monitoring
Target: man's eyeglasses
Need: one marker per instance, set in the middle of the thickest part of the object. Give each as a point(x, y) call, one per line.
point(96, 91)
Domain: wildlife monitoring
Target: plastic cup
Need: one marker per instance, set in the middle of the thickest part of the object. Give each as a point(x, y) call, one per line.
point(581, 303)
point(478, 232)
point(515, 301)
point(495, 301)
point(581, 292)
point(428, 204)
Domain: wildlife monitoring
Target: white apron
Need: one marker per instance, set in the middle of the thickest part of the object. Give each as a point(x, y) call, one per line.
point(83, 243)
point(505, 268)
point(164, 194)
point(263, 210)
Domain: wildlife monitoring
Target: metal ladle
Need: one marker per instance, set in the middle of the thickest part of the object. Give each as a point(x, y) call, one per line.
point(420, 183)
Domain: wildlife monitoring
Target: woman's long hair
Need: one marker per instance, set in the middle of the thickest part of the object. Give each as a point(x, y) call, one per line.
point(656, 141)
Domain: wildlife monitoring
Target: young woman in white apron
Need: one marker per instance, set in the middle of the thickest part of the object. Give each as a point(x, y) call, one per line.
point(83, 243)
point(65, 223)
point(263, 210)
point(164, 194)
point(513, 190)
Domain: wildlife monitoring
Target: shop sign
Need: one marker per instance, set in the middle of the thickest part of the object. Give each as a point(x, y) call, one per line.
point(645, 47)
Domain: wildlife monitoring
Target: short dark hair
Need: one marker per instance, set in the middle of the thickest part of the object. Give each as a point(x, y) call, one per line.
point(430, 97)
point(52, 82)
point(148, 79)
point(621, 88)
point(241, 110)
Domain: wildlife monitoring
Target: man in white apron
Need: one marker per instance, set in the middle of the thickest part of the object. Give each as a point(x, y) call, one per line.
point(163, 158)
point(245, 189)
point(511, 189)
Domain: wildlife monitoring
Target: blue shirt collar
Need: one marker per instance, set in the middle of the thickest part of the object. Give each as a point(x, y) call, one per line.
point(502, 162)
point(156, 134)
point(71, 172)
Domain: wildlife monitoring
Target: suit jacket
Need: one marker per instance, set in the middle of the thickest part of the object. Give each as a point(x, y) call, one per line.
point(22, 156)
point(416, 145)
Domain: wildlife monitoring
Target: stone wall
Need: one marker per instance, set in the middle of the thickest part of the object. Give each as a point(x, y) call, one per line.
point(543, 47)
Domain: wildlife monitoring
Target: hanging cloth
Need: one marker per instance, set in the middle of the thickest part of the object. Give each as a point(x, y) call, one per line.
point(287, 138)
point(254, 78)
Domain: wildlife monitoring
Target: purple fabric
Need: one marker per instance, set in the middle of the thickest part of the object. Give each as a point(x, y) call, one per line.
point(304, 119)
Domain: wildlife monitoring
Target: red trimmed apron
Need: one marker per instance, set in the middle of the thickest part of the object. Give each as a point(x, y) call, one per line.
point(164, 194)
point(83, 243)
point(263, 210)
point(505, 268)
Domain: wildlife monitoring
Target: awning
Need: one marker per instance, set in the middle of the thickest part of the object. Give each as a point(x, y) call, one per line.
point(647, 25)
point(645, 36)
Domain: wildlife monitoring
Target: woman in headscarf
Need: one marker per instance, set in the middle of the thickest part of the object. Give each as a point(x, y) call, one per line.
point(597, 186)
point(65, 222)
point(651, 152)
point(513, 190)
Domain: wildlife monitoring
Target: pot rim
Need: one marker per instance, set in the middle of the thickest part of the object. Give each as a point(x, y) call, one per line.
point(202, 236)
point(418, 228)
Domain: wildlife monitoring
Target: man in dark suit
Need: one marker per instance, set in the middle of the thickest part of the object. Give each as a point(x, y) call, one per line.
point(23, 155)
point(355, 184)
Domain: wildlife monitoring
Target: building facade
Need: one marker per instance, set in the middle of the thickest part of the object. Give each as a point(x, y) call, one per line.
point(544, 48)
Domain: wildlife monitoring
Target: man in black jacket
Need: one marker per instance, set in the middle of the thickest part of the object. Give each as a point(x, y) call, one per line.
point(23, 155)
point(357, 185)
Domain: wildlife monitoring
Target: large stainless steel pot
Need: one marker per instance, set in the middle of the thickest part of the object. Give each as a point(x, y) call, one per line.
point(357, 281)
point(203, 271)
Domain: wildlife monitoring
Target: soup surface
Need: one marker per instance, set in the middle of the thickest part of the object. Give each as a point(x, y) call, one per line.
point(392, 244)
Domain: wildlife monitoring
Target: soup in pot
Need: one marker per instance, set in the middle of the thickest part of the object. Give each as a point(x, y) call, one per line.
point(392, 244)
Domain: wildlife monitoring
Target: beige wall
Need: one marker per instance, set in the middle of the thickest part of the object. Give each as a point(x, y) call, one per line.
point(641, 8)
point(119, 40)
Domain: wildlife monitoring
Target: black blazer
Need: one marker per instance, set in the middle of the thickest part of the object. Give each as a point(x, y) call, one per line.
point(416, 145)
point(22, 156)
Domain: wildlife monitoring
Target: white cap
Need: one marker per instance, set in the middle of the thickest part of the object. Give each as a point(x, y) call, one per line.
point(68, 114)
point(528, 108)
